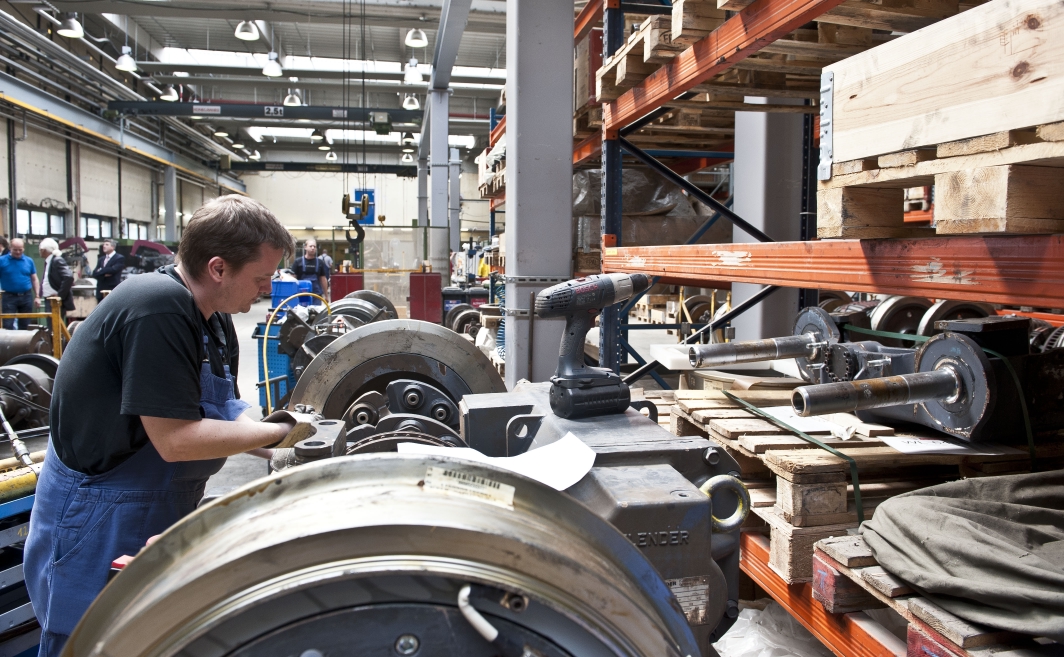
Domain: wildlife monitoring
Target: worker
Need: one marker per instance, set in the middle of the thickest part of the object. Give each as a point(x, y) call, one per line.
point(18, 280)
point(57, 280)
point(327, 259)
point(5, 245)
point(312, 268)
point(145, 409)
point(109, 266)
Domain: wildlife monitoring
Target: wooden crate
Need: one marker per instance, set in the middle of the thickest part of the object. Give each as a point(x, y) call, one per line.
point(847, 579)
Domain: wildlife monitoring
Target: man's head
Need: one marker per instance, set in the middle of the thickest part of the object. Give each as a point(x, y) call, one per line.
point(48, 246)
point(310, 248)
point(231, 248)
point(4, 244)
point(17, 247)
point(108, 247)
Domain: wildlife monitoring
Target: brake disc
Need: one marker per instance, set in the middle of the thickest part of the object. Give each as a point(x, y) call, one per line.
point(899, 315)
point(362, 554)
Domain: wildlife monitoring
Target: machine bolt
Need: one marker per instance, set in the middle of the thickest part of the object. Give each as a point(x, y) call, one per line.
point(732, 609)
point(711, 456)
point(412, 398)
point(440, 412)
point(362, 417)
point(407, 644)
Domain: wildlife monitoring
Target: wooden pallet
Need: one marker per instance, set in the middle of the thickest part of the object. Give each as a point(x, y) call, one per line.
point(810, 496)
point(1000, 183)
point(587, 121)
point(496, 187)
point(847, 578)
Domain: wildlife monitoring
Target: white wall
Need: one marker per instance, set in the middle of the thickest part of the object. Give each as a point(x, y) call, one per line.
point(40, 167)
point(99, 182)
point(3, 160)
point(136, 192)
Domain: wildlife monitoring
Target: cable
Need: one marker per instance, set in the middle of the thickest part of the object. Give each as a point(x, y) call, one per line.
point(266, 338)
point(479, 623)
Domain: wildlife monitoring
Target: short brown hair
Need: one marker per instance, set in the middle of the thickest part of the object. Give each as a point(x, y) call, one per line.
point(232, 228)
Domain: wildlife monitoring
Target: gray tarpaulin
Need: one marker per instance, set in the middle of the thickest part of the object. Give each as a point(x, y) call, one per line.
point(989, 550)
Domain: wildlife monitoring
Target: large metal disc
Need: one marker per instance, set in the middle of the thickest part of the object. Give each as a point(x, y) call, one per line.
point(371, 356)
point(899, 315)
point(975, 402)
point(830, 300)
point(819, 323)
point(362, 536)
point(376, 298)
point(946, 309)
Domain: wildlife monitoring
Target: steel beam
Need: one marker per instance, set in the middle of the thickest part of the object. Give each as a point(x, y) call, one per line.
point(740, 36)
point(170, 203)
point(586, 20)
point(611, 350)
point(440, 167)
point(308, 73)
point(259, 111)
point(402, 170)
point(453, 18)
point(422, 190)
point(1026, 270)
point(32, 99)
point(454, 201)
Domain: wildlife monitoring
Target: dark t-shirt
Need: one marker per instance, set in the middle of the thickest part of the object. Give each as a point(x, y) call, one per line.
point(138, 353)
point(310, 268)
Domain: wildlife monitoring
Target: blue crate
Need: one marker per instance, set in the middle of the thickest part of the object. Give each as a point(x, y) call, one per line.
point(278, 362)
point(306, 286)
point(281, 291)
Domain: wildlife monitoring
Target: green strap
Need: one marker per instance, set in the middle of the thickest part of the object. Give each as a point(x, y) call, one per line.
point(1008, 366)
point(809, 439)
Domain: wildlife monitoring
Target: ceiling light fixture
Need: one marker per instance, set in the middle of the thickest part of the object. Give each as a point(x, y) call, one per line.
point(324, 147)
point(412, 75)
point(408, 149)
point(408, 138)
point(272, 69)
point(292, 99)
point(247, 31)
point(410, 102)
point(416, 38)
point(125, 61)
point(221, 132)
point(407, 157)
point(331, 156)
point(237, 145)
point(70, 27)
point(254, 156)
point(316, 136)
point(169, 94)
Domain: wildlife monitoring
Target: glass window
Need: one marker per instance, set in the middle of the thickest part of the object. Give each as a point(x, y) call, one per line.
point(143, 231)
point(58, 224)
point(22, 221)
point(105, 228)
point(38, 222)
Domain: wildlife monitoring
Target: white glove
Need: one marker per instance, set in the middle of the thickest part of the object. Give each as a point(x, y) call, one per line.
point(303, 429)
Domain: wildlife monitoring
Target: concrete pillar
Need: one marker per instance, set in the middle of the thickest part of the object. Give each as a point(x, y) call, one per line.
point(438, 112)
point(422, 191)
point(539, 176)
point(767, 184)
point(170, 202)
point(454, 206)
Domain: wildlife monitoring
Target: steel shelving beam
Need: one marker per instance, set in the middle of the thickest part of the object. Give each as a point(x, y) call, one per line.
point(739, 37)
point(1025, 270)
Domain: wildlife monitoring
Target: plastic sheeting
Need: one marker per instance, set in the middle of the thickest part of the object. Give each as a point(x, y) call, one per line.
point(771, 632)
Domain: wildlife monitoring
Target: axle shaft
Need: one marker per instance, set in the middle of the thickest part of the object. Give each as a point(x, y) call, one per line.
point(848, 396)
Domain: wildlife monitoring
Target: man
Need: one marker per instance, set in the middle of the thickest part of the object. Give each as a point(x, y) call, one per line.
point(57, 280)
point(327, 259)
point(144, 409)
point(108, 272)
point(312, 268)
point(18, 280)
point(5, 246)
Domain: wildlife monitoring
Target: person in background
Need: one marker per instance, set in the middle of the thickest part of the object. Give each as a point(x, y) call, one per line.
point(18, 280)
point(57, 280)
point(327, 259)
point(5, 246)
point(311, 268)
point(108, 272)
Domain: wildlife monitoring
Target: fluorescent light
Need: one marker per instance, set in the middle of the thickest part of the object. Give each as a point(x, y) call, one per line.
point(221, 132)
point(272, 69)
point(125, 62)
point(411, 74)
point(71, 28)
point(246, 31)
point(324, 147)
point(408, 138)
point(416, 38)
point(411, 102)
point(316, 136)
point(407, 157)
point(237, 145)
point(292, 99)
point(331, 156)
point(254, 156)
point(408, 149)
point(169, 94)
point(180, 74)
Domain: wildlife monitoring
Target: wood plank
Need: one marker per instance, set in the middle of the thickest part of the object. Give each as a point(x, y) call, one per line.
point(1051, 132)
point(706, 415)
point(987, 143)
point(896, 18)
point(921, 644)
point(810, 499)
point(993, 68)
point(693, 20)
point(884, 582)
point(904, 158)
point(853, 166)
point(964, 634)
point(860, 427)
point(762, 497)
point(734, 428)
point(791, 552)
point(862, 212)
point(797, 464)
point(1001, 199)
point(759, 444)
point(837, 592)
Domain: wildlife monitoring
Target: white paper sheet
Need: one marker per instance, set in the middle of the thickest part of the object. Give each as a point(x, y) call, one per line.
point(917, 445)
point(805, 424)
point(558, 465)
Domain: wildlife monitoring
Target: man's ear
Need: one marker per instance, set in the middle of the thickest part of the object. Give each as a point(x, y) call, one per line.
point(216, 266)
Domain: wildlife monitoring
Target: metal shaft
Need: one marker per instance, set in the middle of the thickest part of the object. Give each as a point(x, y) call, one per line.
point(849, 396)
point(752, 351)
point(18, 448)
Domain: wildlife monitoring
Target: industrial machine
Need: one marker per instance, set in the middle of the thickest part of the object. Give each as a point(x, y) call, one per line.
point(957, 382)
point(410, 554)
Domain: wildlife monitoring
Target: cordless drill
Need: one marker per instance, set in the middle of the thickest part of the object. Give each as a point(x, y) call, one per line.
point(578, 390)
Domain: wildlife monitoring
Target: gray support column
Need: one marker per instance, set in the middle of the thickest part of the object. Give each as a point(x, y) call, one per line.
point(454, 206)
point(539, 175)
point(422, 191)
point(170, 202)
point(767, 179)
point(438, 115)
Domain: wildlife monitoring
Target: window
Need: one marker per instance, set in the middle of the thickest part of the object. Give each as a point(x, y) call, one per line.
point(95, 227)
point(31, 222)
point(135, 230)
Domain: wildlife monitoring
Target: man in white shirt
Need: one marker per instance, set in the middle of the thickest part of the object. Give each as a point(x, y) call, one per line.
point(57, 279)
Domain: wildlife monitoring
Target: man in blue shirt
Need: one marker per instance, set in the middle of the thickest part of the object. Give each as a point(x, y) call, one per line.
point(18, 280)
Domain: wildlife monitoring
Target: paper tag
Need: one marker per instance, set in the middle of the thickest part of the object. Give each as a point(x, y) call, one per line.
point(693, 595)
point(463, 484)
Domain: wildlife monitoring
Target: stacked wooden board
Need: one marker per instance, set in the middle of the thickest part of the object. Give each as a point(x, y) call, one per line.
point(969, 105)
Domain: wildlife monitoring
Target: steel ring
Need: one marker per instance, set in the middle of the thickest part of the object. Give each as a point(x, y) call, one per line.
point(719, 484)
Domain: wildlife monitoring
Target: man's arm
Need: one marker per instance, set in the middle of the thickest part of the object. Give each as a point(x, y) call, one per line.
point(324, 282)
point(198, 440)
point(117, 264)
point(36, 285)
point(66, 278)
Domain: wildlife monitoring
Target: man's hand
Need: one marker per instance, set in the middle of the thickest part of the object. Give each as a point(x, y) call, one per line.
point(299, 426)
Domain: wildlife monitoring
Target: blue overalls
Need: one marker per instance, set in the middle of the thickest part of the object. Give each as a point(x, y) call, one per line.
point(311, 276)
point(81, 523)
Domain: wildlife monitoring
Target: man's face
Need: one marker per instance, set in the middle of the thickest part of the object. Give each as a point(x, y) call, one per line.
point(108, 248)
point(17, 247)
point(310, 250)
point(243, 287)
